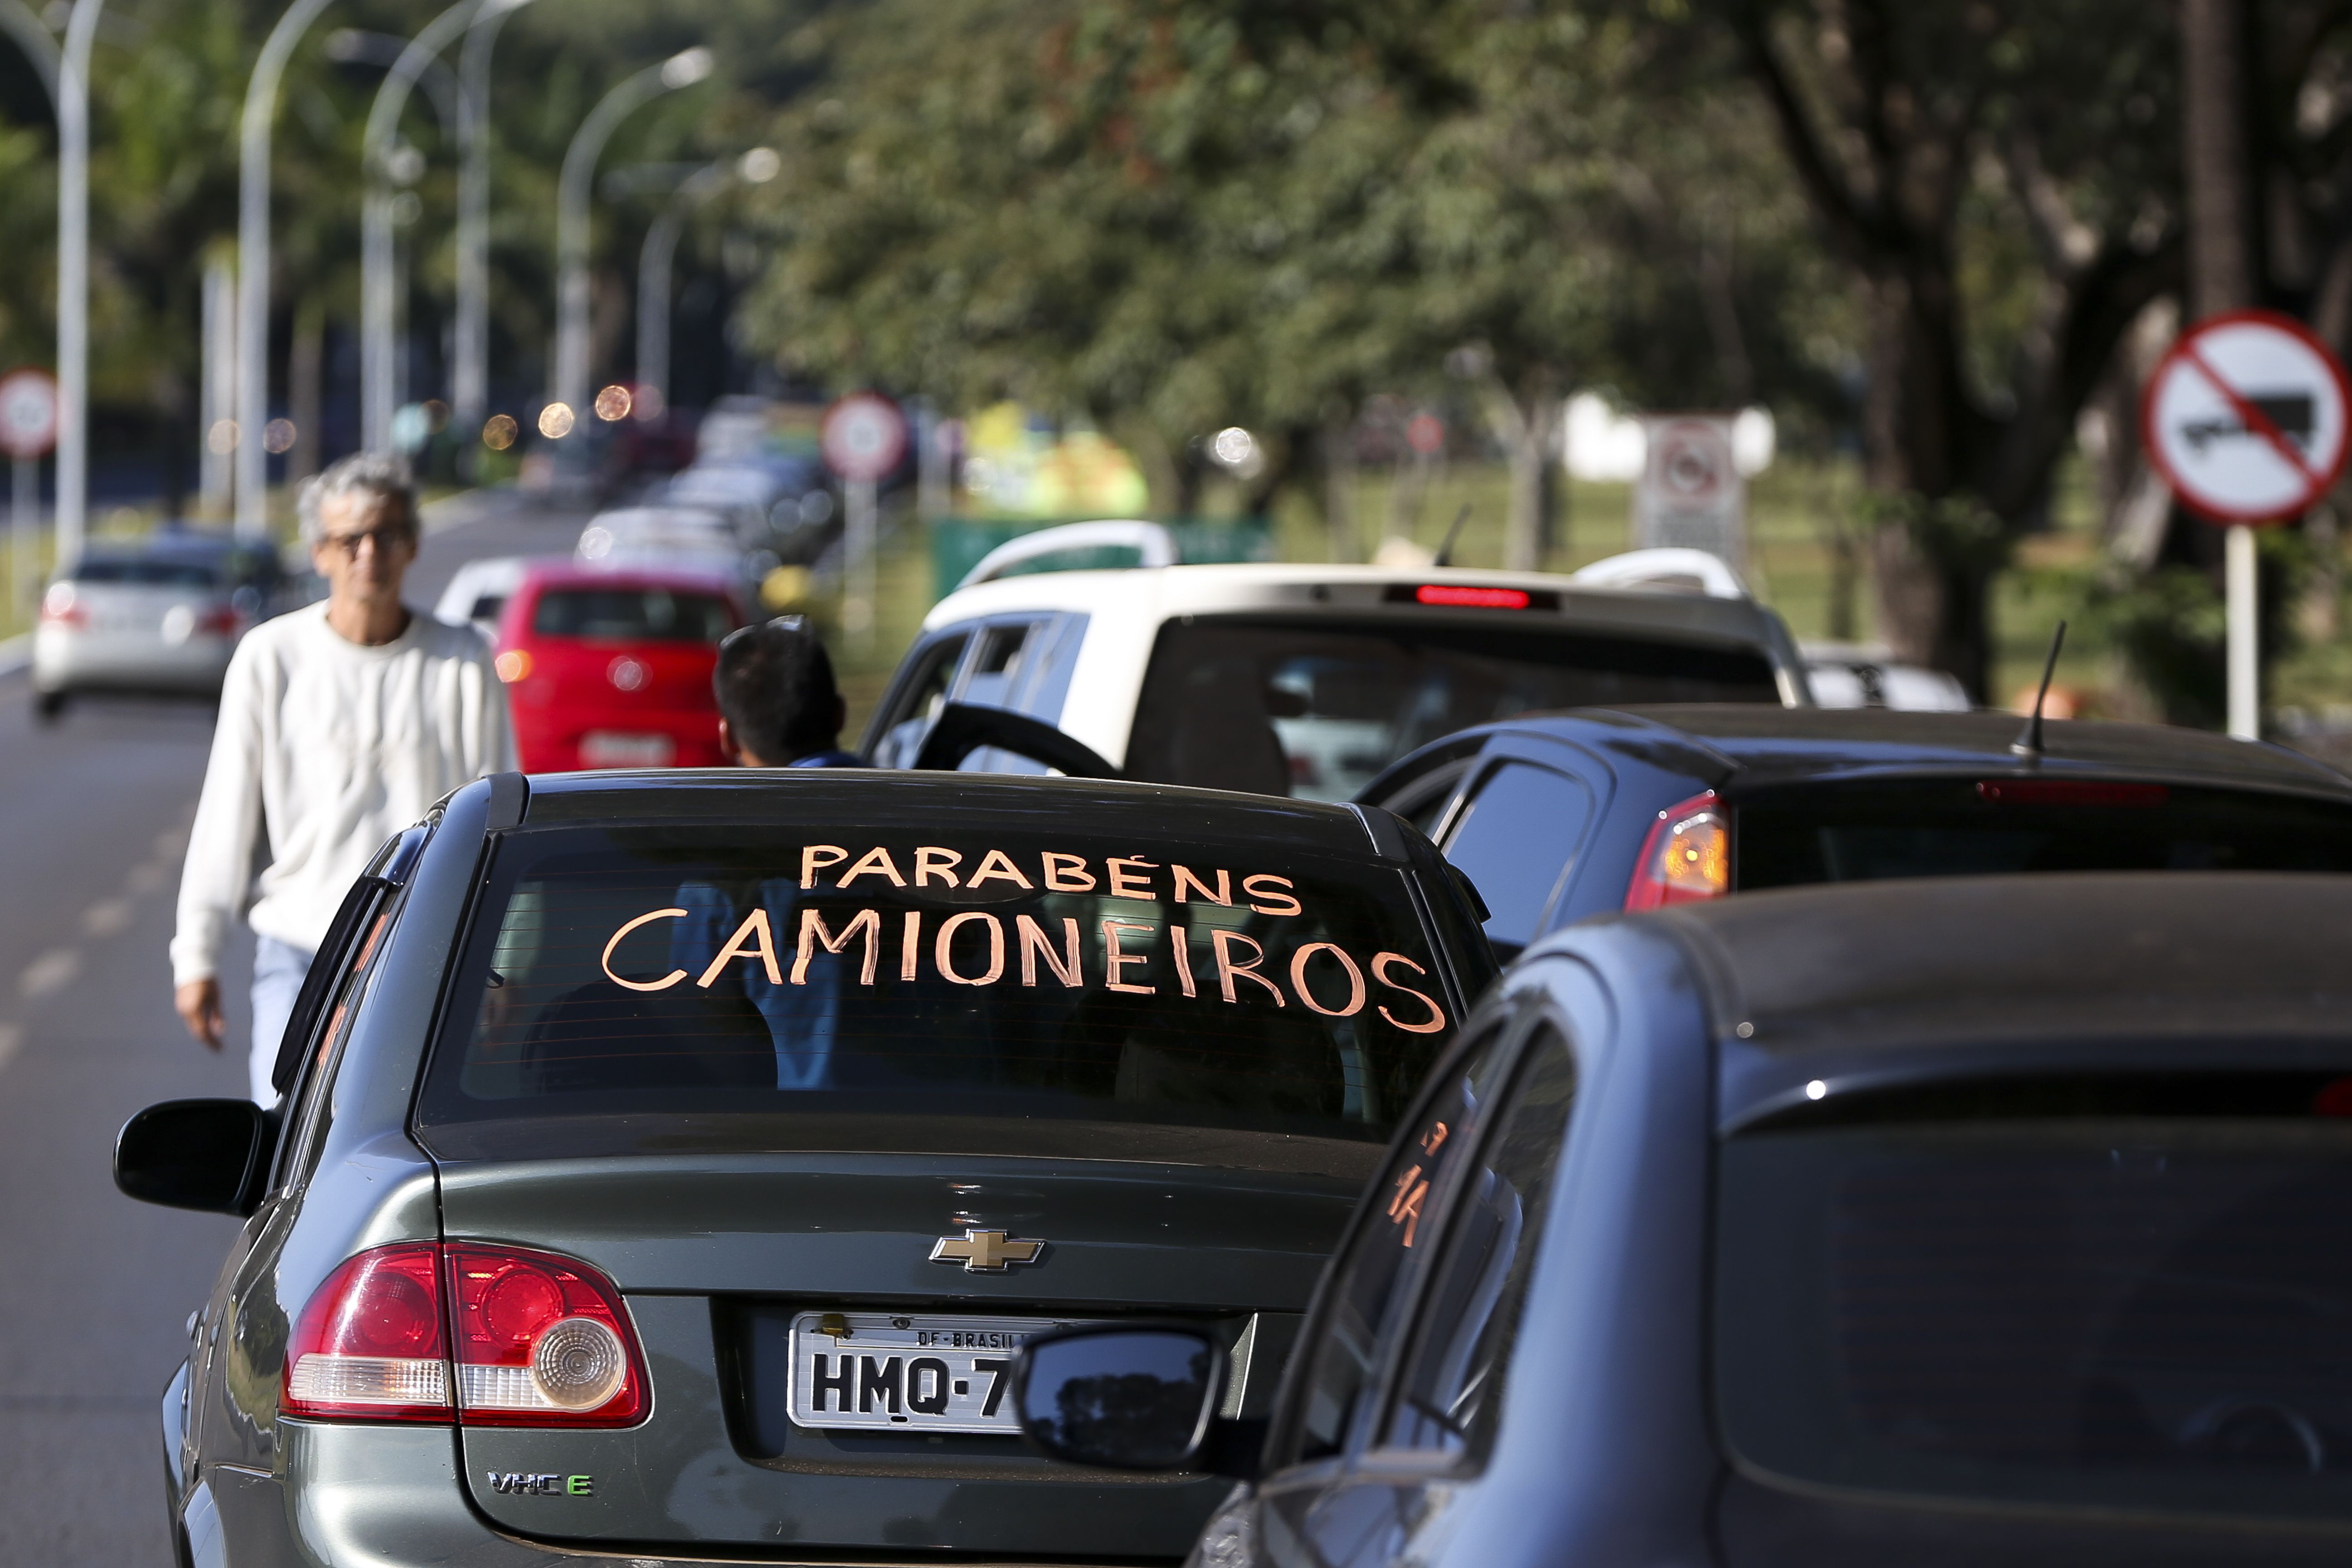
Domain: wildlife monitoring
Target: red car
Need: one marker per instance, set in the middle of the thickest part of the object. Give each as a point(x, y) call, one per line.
point(612, 668)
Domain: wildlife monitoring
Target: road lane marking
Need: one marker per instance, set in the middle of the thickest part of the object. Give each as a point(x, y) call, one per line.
point(108, 917)
point(171, 843)
point(12, 1037)
point(53, 971)
point(146, 876)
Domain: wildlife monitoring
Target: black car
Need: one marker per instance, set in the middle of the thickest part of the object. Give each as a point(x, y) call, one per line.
point(672, 1162)
point(1992, 1220)
point(1558, 816)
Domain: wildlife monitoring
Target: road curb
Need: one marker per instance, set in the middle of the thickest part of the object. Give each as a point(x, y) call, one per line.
point(15, 653)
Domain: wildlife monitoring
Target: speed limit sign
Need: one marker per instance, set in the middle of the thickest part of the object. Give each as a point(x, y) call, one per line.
point(28, 412)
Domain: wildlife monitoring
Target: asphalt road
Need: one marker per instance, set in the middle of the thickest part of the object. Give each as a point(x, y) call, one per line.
point(96, 1290)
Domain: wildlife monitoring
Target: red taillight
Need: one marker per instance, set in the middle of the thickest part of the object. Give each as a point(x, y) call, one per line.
point(2070, 792)
point(1685, 858)
point(223, 622)
point(540, 1341)
point(59, 607)
point(369, 1346)
point(1458, 596)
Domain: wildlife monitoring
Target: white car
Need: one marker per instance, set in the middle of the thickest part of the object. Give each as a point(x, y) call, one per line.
point(1303, 679)
point(160, 616)
point(676, 539)
point(480, 590)
point(1865, 675)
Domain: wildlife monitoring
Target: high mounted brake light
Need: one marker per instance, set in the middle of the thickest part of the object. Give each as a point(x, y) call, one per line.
point(1471, 596)
point(540, 1341)
point(2070, 792)
point(1685, 858)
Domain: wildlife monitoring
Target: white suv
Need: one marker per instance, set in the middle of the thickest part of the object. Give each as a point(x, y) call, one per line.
point(1308, 680)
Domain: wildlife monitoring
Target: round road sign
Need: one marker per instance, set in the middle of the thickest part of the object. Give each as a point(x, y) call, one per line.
point(1690, 459)
point(2246, 417)
point(864, 435)
point(28, 412)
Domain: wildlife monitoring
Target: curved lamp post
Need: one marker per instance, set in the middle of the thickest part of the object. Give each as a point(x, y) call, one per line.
point(252, 469)
point(379, 271)
point(682, 69)
point(652, 279)
point(17, 20)
point(73, 279)
point(469, 379)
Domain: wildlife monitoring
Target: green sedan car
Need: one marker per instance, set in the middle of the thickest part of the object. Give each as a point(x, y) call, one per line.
point(671, 1163)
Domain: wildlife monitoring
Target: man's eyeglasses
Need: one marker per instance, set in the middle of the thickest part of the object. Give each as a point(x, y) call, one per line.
point(388, 537)
point(784, 622)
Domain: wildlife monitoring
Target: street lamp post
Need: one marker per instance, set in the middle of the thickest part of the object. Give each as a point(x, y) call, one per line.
point(682, 69)
point(252, 469)
point(73, 279)
point(756, 167)
point(469, 377)
point(379, 270)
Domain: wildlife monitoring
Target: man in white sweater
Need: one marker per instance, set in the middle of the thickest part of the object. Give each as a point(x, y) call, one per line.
point(340, 725)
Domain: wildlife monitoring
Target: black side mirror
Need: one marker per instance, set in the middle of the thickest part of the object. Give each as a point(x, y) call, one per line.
point(208, 1155)
point(1125, 1398)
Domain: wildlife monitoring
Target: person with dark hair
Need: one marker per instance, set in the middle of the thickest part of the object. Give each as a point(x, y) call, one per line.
point(777, 706)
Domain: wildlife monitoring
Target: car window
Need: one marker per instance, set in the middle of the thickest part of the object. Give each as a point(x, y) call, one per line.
point(306, 1100)
point(1451, 1391)
point(833, 972)
point(631, 615)
point(919, 702)
point(2109, 1292)
point(1515, 838)
point(1364, 1290)
point(1317, 708)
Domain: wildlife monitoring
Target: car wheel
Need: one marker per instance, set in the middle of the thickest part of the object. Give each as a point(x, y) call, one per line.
point(49, 706)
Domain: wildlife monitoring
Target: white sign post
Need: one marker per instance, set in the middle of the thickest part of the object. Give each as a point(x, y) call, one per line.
point(863, 436)
point(2246, 419)
point(1691, 493)
point(28, 427)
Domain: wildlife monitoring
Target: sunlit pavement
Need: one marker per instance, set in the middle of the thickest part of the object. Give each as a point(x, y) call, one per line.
point(96, 1290)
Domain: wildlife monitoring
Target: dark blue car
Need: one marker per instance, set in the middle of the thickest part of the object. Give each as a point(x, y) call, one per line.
point(1558, 816)
point(1994, 1220)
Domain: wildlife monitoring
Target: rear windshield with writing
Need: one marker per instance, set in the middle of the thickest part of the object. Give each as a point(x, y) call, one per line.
point(2073, 1298)
point(632, 615)
point(831, 971)
point(1966, 828)
point(1315, 708)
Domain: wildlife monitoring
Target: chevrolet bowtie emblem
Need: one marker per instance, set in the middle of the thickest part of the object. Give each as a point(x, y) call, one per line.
point(985, 1251)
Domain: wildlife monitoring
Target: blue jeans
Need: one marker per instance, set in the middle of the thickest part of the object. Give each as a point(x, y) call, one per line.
point(278, 971)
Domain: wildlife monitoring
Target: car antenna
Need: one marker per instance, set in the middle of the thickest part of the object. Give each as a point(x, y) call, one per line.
point(1446, 550)
point(2028, 743)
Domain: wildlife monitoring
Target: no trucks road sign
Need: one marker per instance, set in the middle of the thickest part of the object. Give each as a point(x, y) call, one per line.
point(2246, 418)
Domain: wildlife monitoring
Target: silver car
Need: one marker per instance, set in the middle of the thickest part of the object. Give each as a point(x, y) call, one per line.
point(162, 616)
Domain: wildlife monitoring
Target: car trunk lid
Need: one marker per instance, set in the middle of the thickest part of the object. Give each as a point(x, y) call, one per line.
point(720, 1254)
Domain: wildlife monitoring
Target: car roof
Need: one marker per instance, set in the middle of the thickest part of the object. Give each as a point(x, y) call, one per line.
point(1159, 593)
point(1826, 984)
point(1152, 815)
point(1754, 744)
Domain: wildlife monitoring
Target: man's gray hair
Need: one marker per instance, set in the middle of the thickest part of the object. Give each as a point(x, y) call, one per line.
point(381, 474)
